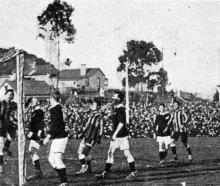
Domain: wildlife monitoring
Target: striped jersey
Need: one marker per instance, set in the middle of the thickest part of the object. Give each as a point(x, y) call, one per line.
point(93, 127)
point(179, 119)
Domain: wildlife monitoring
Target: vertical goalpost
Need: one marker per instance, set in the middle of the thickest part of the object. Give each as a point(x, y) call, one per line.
point(20, 107)
point(127, 93)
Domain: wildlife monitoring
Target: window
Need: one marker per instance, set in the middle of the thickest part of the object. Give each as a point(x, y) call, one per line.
point(106, 82)
point(98, 82)
point(87, 82)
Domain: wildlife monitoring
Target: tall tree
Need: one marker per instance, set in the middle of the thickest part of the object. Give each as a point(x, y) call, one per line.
point(56, 21)
point(139, 55)
point(216, 96)
point(162, 78)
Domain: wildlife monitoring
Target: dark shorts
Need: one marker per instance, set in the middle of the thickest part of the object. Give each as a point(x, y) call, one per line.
point(182, 135)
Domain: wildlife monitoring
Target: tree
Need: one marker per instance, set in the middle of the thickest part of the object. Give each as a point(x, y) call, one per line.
point(56, 21)
point(139, 55)
point(162, 78)
point(216, 96)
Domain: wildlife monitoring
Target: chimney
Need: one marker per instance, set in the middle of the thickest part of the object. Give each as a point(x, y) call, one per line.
point(83, 70)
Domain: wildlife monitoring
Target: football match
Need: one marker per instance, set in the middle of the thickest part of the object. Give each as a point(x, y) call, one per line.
point(109, 93)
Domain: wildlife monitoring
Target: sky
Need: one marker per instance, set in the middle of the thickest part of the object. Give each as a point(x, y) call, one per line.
point(191, 29)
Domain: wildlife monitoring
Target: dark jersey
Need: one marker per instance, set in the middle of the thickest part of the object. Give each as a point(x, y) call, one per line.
point(93, 127)
point(37, 123)
point(57, 125)
point(6, 108)
point(119, 116)
point(161, 123)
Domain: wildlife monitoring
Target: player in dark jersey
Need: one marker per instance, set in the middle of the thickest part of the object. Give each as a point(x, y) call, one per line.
point(179, 120)
point(92, 134)
point(59, 137)
point(7, 107)
point(119, 139)
point(8, 112)
point(36, 135)
point(163, 132)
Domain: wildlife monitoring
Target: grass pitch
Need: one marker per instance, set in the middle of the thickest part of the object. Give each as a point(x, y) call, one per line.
point(204, 171)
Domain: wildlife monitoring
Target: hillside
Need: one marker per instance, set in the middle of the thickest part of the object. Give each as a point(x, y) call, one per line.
point(30, 59)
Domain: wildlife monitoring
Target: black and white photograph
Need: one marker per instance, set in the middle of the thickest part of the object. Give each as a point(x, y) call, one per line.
point(109, 92)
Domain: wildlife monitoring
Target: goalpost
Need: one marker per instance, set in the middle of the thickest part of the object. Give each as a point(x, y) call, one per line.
point(127, 93)
point(19, 55)
point(20, 107)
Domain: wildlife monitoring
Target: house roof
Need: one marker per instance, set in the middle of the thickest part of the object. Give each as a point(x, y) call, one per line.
point(31, 87)
point(44, 69)
point(74, 74)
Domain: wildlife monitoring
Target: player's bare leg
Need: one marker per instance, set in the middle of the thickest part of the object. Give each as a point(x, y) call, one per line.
point(1, 154)
point(36, 162)
point(56, 162)
point(7, 146)
point(188, 149)
point(162, 153)
point(83, 152)
point(131, 163)
point(173, 148)
point(108, 164)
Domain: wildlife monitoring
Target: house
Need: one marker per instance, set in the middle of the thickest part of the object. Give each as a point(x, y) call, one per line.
point(32, 88)
point(85, 79)
point(45, 72)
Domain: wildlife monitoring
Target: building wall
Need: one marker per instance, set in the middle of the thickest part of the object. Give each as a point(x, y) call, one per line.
point(93, 80)
point(91, 83)
point(7, 77)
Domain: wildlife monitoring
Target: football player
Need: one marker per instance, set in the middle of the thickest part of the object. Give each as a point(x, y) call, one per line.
point(119, 139)
point(179, 120)
point(36, 135)
point(92, 134)
point(163, 132)
point(7, 107)
point(8, 110)
point(59, 137)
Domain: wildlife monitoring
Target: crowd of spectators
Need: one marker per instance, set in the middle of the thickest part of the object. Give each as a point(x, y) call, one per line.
point(204, 118)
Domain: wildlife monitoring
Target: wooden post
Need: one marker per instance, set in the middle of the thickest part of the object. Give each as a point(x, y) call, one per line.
point(21, 135)
point(127, 94)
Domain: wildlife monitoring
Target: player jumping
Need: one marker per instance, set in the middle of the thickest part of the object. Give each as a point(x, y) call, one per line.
point(119, 139)
point(91, 134)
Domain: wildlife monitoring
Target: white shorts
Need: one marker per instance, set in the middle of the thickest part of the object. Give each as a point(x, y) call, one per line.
point(59, 145)
point(164, 139)
point(2, 144)
point(121, 143)
point(34, 144)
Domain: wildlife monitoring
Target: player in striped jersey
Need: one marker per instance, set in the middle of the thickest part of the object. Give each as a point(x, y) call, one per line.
point(179, 120)
point(92, 134)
